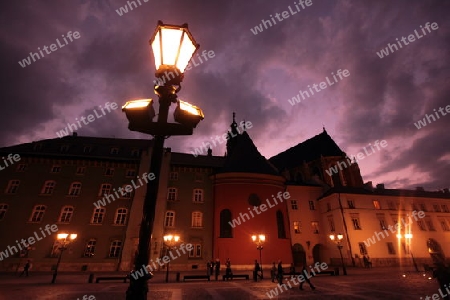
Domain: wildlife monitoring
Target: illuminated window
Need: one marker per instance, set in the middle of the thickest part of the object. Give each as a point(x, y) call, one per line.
point(89, 250)
point(297, 227)
point(169, 220)
point(197, 219)
point(294, 204)
point(376, 204)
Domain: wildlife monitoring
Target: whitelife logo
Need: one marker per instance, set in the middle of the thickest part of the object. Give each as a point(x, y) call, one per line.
point(27, 61)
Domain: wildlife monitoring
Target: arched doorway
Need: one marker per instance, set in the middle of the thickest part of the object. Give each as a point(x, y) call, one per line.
point(317, 253)
point(299, 255)
point(436, 252)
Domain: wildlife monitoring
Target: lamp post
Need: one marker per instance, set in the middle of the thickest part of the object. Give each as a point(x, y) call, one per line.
point(62, 239)
point(408, 237)
point(173, 46)
point(170, 241)
point(337, 239)
point(259, 241)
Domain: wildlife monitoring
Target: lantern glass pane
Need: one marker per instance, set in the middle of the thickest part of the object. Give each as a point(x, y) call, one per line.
point(156, 46)
point(171, 43)
point(186, 52)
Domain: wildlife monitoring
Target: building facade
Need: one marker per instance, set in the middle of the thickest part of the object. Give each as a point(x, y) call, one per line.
point(95, 187)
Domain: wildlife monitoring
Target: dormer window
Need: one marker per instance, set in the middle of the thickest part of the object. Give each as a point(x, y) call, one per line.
point(114, 151)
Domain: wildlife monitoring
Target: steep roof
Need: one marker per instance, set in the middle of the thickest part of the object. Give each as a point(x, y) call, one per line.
point(244, 157)
point(198, 161)
point(311, 149)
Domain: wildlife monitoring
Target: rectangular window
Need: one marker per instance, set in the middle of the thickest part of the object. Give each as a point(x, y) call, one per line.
point(130, 173)
point(315, 227)
point(198, 177)
point(376, 204)
point(331, 223)
point(444, 225)
point(421, 225)
point(444, 208)
point(382, 221)
point(430, 224)
point(351, 204)
point(362, 249)
point(355, 222)
point(311, 205)
point(297, 227)
point(390, 247)
point(173, 176)
point(21, 168)
point(89, 251)
point(55, 169)
point(196, 251)
point(109, 172)
point(115, 248)
point(405, 248)
point(294, 204)
point(172, 194)
point(105, 189)
point(423, 207)
point(80, 171)
point(198, 195)
point(436, 208)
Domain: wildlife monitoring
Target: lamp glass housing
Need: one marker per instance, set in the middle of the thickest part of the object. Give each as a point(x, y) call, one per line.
point(173, 46)
point(139, 112)
point(188, 114)
point(62, 236)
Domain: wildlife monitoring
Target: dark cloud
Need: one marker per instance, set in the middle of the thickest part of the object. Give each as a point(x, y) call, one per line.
point(253, 75)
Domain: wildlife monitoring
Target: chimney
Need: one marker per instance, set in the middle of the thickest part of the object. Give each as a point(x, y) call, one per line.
point(75, 134)
point(380, 186)
point(209, 152)
point(446, 191)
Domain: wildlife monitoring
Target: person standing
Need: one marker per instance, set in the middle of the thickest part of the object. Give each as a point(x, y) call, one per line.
point(211, 267)
point(208, 268)
point(228, 273)
point(25, 269)
point(280, 272)
point(217, 267)
point(273, 272)
point(305, 273)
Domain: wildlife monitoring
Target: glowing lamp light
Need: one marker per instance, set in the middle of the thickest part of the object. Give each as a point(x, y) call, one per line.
point(262, 237)
point(399, 236)
point(173, 47)
point(408, 236)
point(188, 114)
point(73, 236)
point(62, 236)
point(139, 112)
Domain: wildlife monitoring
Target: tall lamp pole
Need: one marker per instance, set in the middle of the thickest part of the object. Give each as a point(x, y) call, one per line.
point(408, 237)
point(173, 47)
point(259, 241)
point(170, 241)
point(338, 240)
point(63, 241)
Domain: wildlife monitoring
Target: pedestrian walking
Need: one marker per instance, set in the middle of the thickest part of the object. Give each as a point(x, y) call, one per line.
point(305, 273)
point(25, 269)
point(273, 272)
point(256, 271)
point(217, 267)
point(280, 272)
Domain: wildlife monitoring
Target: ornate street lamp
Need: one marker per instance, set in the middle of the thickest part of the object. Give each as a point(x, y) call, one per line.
point(173, 47)
point(170, 241)
point(259, 241)
point(63, 239)
point(408, 237)
point(337, 239)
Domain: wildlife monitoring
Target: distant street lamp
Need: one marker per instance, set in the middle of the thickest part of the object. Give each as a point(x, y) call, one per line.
point(259, 241)
point(170, 241)
point(408, 237)
point(337, 239)
point(63, 239)
point(173, 47)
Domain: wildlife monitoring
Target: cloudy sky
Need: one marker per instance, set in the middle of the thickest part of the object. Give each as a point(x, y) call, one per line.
point(253, 75)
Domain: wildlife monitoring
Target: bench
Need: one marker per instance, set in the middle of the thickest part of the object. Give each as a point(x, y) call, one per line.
point(233, 276)
point(124, 278)
point(196, 277)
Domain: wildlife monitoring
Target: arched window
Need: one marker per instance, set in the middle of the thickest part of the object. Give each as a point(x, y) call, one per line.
point(197, 219)
point(280, 225)
point(75, 189)
point(115, 248)
point(3, 210)
point(226, 231)
point(66, 214)
point(105, 189)
point(121, 216)
point(197, 195)
point(37, 214)
point(89, 250)
point(98, 215)
point(48, 187)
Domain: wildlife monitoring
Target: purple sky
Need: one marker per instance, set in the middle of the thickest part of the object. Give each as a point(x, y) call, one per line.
point(253, 75)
